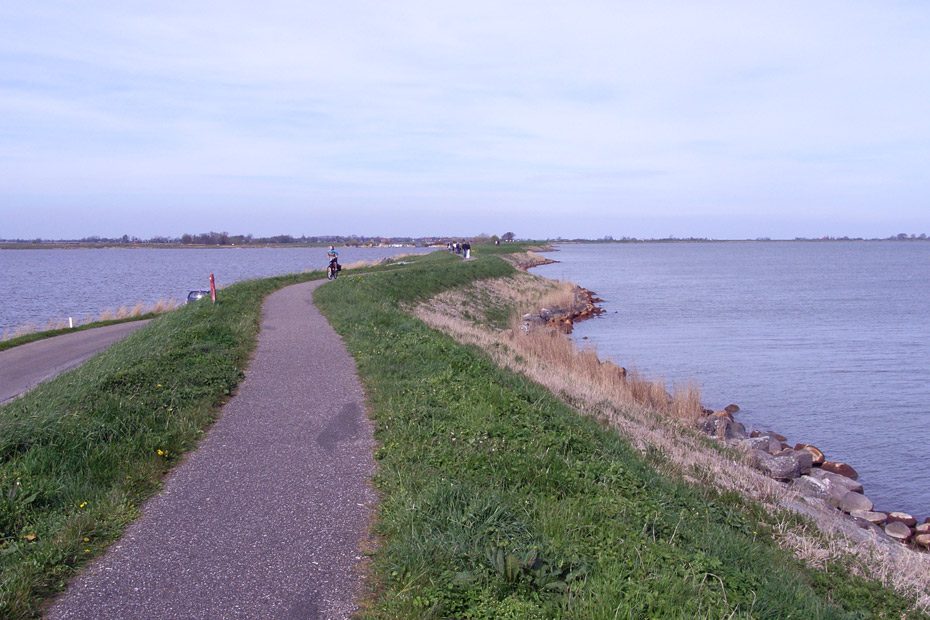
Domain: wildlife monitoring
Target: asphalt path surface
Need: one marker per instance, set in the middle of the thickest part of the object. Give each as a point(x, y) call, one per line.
point(24, 367)
point(266, 517)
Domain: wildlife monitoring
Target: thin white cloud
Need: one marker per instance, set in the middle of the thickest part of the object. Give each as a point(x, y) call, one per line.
point(719, 110)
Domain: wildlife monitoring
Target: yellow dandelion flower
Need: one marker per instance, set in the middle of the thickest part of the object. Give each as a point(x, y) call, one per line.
point(87, 540)
point(160, 453)
point(82, 504)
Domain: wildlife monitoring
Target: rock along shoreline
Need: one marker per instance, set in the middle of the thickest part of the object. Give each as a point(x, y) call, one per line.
point(804, 467)
point(806, 470)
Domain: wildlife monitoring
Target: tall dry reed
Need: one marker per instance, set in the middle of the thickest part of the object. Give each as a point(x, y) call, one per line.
point(109, 314)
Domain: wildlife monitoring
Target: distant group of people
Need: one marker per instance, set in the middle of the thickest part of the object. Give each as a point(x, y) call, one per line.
point(460, 247)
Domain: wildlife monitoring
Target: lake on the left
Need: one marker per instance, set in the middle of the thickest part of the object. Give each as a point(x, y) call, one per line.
point(39, 286)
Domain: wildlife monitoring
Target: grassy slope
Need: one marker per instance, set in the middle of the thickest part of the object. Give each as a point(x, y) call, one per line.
point(499, 501)
point(479, 467)
point(78, 453)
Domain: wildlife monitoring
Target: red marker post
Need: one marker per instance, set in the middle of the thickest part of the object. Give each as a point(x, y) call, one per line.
point(212, 288)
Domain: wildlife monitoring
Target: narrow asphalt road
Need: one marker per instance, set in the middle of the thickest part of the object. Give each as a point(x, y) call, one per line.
point(24, 367)
point(266, 517)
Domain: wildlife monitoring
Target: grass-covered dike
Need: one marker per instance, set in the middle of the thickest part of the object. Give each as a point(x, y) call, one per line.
point(498, 499)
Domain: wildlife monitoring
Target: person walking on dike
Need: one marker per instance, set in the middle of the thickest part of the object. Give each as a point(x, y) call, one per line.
point(466, 249)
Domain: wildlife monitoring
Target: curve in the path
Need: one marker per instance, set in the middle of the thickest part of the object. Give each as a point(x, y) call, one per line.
point(265, 518)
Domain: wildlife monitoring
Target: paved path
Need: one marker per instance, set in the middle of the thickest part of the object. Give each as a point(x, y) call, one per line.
point(265, 518)
point(24, 367)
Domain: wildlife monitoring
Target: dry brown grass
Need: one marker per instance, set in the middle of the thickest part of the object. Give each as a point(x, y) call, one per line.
point(25, 330)
point(56, 324)
point(658, 425)
point(560, 295)
point(123, 312)
point(162, 305)
point(525, 260)
point(378, 261)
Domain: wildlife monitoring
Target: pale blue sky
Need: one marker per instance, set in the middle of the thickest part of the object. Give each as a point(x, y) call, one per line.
point(720, 119)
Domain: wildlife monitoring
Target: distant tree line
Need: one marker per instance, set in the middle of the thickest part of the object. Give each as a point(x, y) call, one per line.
point(226, 239)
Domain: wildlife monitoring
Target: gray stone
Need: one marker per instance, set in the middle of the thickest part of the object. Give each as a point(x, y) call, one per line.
point(708, 425)
point(736, 431)
point(855, 501)
point(835, 492)
point(778, 467)
point(806, 460)
point(773, 435)
point(869, 515)
point(765, 444)
point(899, 531)
point(849, 483)
point(903, 517)
point(811, 487)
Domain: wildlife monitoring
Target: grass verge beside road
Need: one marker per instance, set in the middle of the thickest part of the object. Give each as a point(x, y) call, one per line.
point(79, 453)
point(500, 501)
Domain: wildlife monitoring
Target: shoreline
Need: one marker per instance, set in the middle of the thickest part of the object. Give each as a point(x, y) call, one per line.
point(481, 466)
point(804, 467)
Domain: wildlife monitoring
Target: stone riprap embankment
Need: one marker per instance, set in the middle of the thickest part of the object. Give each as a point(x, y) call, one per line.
point(807, 470)
point(562, 320)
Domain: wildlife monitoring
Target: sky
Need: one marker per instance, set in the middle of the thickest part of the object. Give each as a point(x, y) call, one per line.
point(736, 119)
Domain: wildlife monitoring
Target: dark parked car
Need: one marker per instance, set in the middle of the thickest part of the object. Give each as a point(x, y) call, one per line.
point(195, 295)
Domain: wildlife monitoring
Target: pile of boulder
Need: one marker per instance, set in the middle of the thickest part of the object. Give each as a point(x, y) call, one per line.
point(806, 469)
point(562, 320)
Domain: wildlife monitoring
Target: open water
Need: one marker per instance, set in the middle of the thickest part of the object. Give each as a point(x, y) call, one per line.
point(825, 343)
point(38, 286)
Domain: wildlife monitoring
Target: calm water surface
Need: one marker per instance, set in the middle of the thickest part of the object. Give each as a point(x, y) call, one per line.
point(826, 343)
point(37, 286)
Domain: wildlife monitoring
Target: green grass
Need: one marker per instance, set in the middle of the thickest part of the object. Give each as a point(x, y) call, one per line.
point(79, 453)
point(499, 501)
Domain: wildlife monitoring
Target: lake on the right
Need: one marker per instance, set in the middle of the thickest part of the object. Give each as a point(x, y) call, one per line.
point(823, 342)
